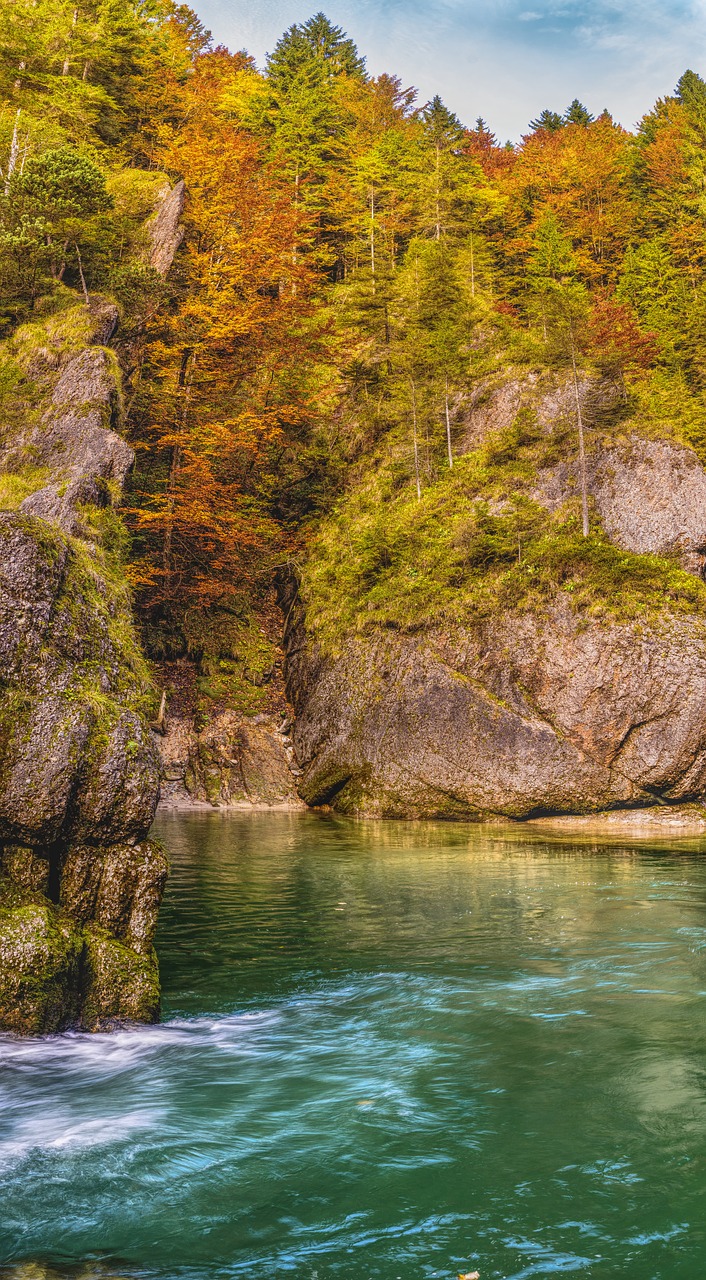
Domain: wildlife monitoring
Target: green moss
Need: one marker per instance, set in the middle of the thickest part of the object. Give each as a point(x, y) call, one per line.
point(40, 954)
point(119, 985)
point(66, 331)
point(92, 626)
point(235, 659)
point(95, 589)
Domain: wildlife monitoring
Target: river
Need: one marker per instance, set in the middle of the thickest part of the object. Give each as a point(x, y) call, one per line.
point(388, 1052)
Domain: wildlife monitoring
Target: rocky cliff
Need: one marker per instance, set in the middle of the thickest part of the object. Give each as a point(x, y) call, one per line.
point(80, 884)
point(521, 716)
point(562, 702)
point(234, 761)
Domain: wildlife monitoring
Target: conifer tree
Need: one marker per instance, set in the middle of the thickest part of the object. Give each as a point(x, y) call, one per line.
point(576, 113)
point(316, 44)
point(548, 121)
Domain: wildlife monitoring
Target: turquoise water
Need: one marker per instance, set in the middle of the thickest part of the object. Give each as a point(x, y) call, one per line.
point(388, 1051)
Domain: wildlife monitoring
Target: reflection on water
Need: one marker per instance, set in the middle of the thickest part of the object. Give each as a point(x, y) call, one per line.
point(388, 1050)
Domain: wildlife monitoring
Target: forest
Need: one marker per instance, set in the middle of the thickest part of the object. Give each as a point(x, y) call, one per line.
point(355, 263)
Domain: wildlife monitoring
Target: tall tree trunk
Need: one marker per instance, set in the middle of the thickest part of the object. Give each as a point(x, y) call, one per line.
point(448, 422)
point(437, 194)
point(67, 60)
point(582, 447)
point(81, 275)
point(372, 236)
point(14, 151)
point(294, 246)
point(414, 436)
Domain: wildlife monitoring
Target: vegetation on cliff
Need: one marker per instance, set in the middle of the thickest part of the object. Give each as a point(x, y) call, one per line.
point(357, 266)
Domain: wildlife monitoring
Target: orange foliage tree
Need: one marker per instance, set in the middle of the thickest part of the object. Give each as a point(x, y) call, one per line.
point(229, 372)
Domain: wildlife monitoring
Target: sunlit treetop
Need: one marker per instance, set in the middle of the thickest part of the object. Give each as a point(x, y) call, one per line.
point(316, 44)
point(576, 113)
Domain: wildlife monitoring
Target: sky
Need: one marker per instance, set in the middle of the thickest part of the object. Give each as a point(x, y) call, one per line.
point(504, 60)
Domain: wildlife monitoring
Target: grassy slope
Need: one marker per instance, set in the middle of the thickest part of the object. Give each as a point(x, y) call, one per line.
point(477, 544)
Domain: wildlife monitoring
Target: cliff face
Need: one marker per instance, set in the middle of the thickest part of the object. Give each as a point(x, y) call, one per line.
point(80, 885)
point(557, 708)
point(234, 761)
point(520, 717)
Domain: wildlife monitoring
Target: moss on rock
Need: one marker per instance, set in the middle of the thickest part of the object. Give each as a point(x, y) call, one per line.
point(119, 985)
point(40, 959)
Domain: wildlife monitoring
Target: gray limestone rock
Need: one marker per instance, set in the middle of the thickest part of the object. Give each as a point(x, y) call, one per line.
point(234, 760)
point(523, 715)
point(79, 770)
point(495, 403)
point(89, 462)
point(165, 230)
point(650, 496)
point(118, 888)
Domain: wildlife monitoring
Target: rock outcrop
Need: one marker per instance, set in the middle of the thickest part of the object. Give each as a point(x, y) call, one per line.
point(79, 772)
point(236, 760)
point(519, 717)
point(165, 230)
point(650, 496)
point(553, 708)
point(495, 403)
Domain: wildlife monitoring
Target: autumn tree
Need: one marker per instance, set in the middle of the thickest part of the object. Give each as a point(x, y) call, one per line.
point(615, 341)
point(226, 389)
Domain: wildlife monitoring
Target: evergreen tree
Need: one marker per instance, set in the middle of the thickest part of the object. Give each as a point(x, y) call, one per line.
point(317, 49)
point(576, 113)
point(549, 121)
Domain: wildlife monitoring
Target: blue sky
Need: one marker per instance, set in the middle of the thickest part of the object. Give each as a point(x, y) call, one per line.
point(504, 60)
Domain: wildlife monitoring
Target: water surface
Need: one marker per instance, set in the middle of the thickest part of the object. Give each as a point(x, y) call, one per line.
point(388, 1050)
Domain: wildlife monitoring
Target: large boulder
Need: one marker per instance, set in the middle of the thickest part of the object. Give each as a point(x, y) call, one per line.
point(566, 704)
point(525, 714)
point(79, 783)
